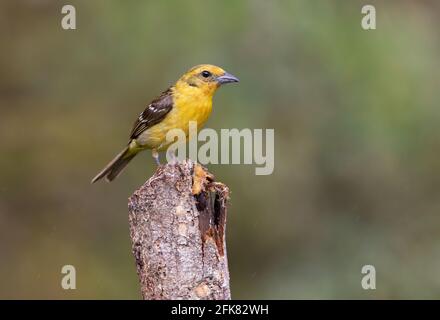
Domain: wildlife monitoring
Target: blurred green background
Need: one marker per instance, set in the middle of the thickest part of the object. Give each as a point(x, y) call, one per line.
point(356, 119)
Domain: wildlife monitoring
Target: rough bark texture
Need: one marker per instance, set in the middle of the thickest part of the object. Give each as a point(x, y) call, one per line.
point(177, 226)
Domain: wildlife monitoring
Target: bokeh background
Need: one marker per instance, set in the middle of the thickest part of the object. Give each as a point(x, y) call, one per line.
point(356, 118)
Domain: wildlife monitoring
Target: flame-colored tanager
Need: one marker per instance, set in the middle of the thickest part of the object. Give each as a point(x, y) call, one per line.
point(189, 99)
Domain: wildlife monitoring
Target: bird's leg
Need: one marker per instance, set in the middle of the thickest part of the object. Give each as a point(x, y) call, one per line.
point(156, 156)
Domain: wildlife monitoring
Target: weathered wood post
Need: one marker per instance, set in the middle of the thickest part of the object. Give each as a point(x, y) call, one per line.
point(177, 226)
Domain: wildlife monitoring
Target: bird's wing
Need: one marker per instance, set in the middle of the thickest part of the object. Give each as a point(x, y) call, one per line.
point(154, 113)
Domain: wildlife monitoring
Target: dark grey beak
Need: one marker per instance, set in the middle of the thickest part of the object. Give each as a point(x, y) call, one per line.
point(227, 78)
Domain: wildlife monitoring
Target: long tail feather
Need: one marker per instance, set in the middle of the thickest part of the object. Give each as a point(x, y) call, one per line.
point(114, 168)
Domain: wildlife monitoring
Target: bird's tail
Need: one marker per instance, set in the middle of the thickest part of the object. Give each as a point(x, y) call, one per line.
point(114, 168)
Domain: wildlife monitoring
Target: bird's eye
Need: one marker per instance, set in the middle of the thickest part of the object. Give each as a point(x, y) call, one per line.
point(206, 74)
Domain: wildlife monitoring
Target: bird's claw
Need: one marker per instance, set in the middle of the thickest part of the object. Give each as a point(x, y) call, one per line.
point(156, 157)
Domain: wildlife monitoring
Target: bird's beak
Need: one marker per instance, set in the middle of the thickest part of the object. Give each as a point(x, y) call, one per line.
point(226, 78)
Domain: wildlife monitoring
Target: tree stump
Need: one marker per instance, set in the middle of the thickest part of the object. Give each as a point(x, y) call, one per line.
point(177, 227)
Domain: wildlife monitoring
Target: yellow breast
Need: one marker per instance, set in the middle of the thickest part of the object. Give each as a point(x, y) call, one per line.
point(190, 104)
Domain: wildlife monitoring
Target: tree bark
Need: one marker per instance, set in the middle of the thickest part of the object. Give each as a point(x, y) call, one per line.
point(177, 227)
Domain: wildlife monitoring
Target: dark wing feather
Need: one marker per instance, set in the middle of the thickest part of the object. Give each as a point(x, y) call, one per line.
point(153, 114)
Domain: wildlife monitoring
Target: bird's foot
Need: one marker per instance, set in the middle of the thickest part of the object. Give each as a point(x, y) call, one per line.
point(156, 157)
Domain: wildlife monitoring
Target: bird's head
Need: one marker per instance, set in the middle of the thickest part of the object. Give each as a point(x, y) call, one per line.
point(206, 77)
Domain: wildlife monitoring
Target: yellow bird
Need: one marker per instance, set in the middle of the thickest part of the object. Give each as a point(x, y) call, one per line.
point(189, 99)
